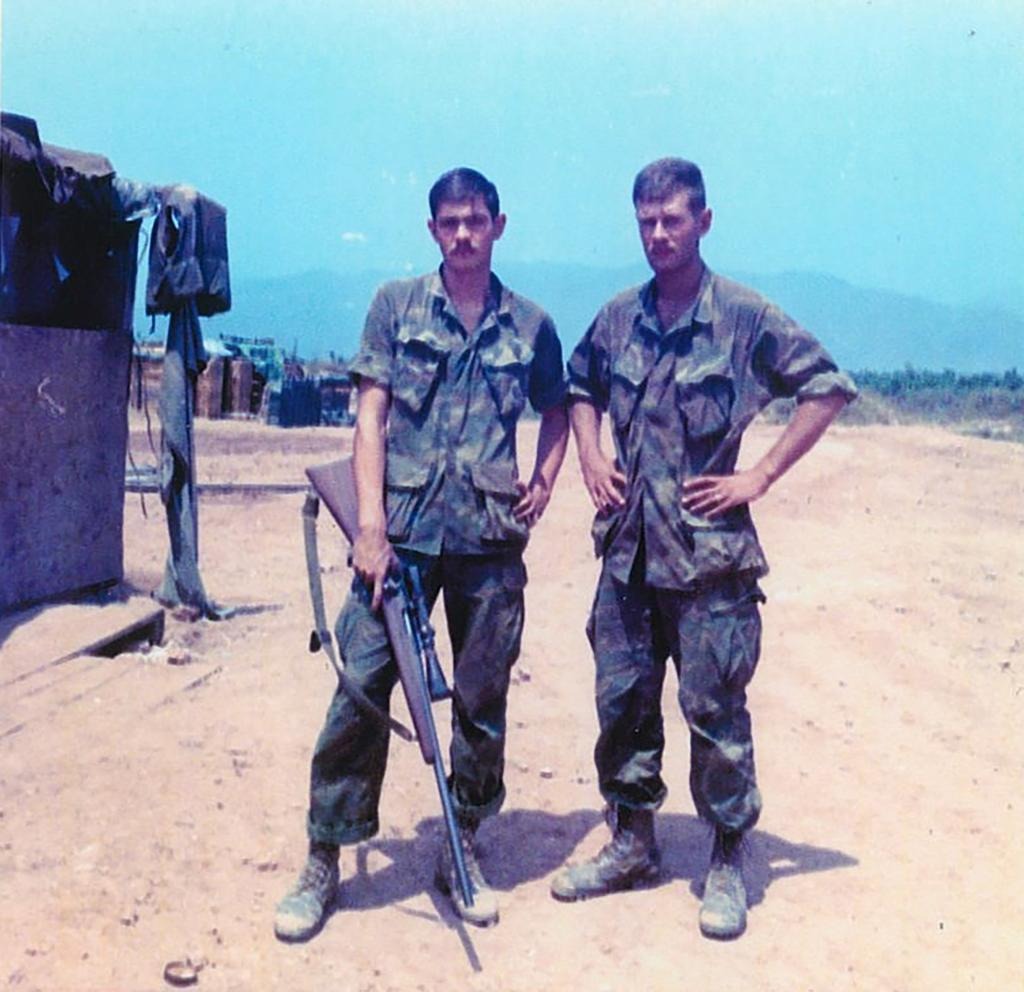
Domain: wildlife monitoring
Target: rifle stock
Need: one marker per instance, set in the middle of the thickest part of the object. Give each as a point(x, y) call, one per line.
point(407, 621)
point(335, 484)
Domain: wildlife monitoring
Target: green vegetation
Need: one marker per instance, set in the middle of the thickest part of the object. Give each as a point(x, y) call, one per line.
point(985, 404)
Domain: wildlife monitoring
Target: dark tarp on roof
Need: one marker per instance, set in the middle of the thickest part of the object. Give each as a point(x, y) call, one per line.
point(68, 249)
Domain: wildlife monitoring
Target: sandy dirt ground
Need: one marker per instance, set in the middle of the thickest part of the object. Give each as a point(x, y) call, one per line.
point(152, 805)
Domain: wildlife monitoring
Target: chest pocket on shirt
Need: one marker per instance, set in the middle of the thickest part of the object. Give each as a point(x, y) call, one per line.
point(418, 366)
point(705, 396)
point(629, 373)
point(506, 367)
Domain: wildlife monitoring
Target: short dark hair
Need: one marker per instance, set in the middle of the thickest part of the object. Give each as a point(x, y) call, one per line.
point(666, 177)
point(461, 184)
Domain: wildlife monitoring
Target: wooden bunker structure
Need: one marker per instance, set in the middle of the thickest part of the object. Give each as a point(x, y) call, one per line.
point(68, 263)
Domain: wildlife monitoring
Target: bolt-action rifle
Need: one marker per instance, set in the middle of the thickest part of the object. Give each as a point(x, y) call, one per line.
point(407, 620)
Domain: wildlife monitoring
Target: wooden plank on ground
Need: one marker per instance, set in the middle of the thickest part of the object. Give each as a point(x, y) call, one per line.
point(37, 640)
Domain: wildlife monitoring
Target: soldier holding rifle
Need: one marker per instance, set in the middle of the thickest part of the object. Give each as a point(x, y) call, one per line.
point(447, 365)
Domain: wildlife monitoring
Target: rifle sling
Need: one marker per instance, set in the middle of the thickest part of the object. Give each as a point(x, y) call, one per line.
point(321, 634)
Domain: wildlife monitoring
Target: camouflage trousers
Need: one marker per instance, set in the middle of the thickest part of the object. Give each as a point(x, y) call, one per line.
point(483, 604)
point(713, 637)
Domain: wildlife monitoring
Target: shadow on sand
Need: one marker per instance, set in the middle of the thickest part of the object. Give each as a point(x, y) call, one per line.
point(686, 841)
point(521, 846)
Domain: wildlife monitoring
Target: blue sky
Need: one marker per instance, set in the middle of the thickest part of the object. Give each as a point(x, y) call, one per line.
point(877, 141)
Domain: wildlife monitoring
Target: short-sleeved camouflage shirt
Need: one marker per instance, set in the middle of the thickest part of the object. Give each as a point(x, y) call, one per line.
point(679, 401)
point(456, 398)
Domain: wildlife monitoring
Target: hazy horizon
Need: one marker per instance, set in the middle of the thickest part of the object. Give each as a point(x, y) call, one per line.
point(320, 311)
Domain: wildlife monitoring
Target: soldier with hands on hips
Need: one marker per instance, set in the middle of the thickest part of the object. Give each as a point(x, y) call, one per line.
point(681, 365)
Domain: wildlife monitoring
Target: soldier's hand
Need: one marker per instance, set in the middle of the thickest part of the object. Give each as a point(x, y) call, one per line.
point(533, 501)
point(372, 558)
point(713, 495)
point(605, 483)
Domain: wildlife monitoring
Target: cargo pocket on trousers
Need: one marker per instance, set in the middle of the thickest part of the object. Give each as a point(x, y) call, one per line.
point(496, 495)
point(405, 485)
point(734, 629)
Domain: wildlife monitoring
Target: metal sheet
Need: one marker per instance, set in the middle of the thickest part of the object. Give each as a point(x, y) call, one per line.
point(63, 433)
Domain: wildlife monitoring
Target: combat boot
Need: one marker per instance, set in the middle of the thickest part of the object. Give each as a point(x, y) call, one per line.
point(723, 913)
point(629, 859)
point(484, 911)
point(304, 910)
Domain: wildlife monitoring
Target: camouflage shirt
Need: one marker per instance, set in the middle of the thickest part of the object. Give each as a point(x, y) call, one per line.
point(456, 398)
point(679, 401)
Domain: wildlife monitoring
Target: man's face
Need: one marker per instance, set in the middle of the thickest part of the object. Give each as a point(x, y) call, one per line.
point(671, 232)
point(465, 232)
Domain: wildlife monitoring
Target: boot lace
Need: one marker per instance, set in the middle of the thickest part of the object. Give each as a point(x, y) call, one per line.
point(317, 876)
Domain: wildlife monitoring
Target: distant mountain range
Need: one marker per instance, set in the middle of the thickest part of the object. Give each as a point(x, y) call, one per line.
point(318, 312)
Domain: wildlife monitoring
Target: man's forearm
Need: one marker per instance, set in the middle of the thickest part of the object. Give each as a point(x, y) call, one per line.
point(552, 441)
point(586, 427)
point(809, 421)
